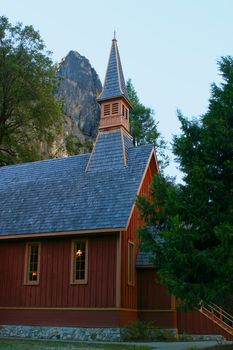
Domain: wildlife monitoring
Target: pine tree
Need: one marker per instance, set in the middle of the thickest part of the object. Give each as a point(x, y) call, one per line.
point(190, 226)
point(143, 126)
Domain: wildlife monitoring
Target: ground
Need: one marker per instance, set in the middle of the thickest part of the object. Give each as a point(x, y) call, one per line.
point(18, 344)
point(48, 345)
point(222, 347)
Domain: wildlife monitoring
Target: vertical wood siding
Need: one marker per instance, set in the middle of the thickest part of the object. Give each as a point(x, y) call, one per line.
point(154, 303)
point(54, 289)
point(151, 294)
point(129, 293)
point(194, 322)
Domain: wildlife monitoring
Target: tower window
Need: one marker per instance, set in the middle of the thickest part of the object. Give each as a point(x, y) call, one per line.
point(107, 109)
point(126, 113)
point(123, 109)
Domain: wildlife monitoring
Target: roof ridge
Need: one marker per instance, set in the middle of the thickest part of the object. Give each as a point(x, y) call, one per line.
point(123, 148)
point(105, 75)
point(118, 70)
point(93, 151)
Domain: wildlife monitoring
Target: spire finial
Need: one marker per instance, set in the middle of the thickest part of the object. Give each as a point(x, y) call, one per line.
point(114, 35)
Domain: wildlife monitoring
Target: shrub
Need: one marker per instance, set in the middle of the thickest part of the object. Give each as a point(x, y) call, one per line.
point(139, 331)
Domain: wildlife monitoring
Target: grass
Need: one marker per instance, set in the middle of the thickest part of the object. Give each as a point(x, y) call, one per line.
point(222, 347)
point(27, 344)
point(217, 347)
point(18, 344)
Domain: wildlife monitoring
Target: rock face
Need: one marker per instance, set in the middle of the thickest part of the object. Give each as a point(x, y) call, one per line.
point(79, 86)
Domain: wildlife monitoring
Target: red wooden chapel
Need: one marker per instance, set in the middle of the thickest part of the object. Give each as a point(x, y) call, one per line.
point(68, 233)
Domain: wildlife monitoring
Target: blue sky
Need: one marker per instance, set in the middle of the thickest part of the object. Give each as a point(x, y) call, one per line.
point(168, 47)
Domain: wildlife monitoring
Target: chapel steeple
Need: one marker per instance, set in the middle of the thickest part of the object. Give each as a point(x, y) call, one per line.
point(114, 99)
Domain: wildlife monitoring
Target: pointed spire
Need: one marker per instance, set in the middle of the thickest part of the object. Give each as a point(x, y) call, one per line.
point(114, 85)
point(114, 99)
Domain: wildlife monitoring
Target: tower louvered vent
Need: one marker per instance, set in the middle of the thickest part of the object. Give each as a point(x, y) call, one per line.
point(115, 108)
point(107, 109)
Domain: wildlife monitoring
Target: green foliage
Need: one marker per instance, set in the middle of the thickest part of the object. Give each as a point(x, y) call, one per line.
point(75, 146)
point(146, 331)
point(190, 227)
point(142, 123)
point(29, 114)
point(72, 145)
point(136, 331)
point(143, 126)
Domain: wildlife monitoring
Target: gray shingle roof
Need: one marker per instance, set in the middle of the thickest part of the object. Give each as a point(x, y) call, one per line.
point(103, 158)
point(58, 195)
point(144, 259)
point(114, 85)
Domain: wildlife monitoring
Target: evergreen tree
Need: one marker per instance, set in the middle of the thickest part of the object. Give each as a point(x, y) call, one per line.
point(29, 114)
point(142, 123)
point(143, 126)
point(190, 227)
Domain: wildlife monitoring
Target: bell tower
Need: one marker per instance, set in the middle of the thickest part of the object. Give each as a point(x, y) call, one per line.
point(113, 142)
point(114, 99)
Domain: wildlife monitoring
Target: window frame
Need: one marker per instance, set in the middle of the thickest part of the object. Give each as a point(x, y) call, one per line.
point(73, 256)
point(131, 263)
point(27, 282)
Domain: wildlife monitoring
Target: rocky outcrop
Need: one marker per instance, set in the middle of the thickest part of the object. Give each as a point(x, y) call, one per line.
point(78, 88)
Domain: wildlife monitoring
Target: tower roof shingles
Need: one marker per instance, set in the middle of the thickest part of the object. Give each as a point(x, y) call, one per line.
point(114, 85)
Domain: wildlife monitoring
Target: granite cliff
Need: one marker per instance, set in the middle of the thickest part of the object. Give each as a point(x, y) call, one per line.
point(78, 88)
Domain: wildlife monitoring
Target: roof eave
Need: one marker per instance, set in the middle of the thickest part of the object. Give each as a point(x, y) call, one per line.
point(152, 154)
point(146, 266)
point(110, 98)
point(62, 233)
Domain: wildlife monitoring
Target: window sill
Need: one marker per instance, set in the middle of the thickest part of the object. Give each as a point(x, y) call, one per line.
point(131, 284)
point(78, 282)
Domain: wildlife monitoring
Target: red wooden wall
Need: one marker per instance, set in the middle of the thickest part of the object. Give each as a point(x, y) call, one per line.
point(194, 322)
point(54, 289)
point(151, 294)
point(147, 296)
point(154, 303)
point(129, 294)
point(60, 317)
